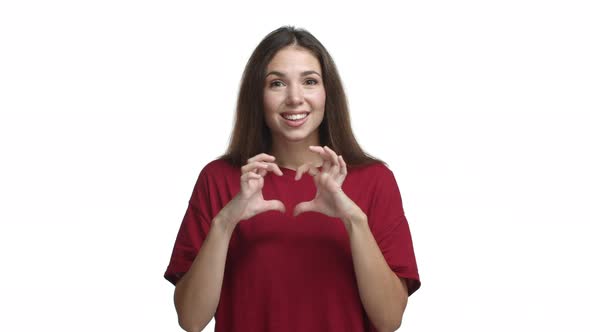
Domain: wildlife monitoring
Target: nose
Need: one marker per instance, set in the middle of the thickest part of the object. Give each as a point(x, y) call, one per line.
point(294, 95)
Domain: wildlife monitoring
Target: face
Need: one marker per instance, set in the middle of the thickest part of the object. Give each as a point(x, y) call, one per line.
point(294, 95)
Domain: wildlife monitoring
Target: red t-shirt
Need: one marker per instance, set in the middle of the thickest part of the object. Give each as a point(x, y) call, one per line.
point(286, 273)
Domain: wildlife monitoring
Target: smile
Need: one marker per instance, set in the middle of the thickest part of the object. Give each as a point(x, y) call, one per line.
point(294, 117)
point(295, 120)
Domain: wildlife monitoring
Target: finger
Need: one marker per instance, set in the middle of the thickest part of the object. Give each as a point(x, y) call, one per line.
point(335, 167)
point(253, 166)
point(250, 176)
point(271, 167)
point(261, 157)
point(302, 207)
point(275, 205)
point(332, 154)
point(274, 168)
point(327, 164)
point(320, 150)
point(343, 169)
point(324, 154)
point(306, 168)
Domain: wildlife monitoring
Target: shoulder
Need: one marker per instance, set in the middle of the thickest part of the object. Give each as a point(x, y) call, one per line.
point(373, 179)
point(218, 166)
point(217, 171)
point(372, 173)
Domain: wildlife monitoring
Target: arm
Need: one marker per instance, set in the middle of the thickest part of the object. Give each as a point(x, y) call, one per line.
point(198, 292)
point(383, 294)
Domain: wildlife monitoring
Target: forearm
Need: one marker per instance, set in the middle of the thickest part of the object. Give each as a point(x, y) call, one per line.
point(198, 292)
point(382, 293)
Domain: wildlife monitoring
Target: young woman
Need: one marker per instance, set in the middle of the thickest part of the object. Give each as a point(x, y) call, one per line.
point(295, 228)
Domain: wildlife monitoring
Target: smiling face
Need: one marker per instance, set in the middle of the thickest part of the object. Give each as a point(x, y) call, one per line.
point(294, 88)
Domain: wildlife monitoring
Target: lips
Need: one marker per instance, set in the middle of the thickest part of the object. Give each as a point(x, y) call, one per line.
point(294, 113)
point(295, 123)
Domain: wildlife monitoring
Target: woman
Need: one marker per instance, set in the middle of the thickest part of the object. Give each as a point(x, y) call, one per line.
point(295, 228)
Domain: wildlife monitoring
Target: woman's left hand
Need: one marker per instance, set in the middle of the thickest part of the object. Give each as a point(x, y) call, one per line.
point(330, 199)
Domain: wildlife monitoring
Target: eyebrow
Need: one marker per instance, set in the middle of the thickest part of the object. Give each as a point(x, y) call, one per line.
point(305, 73)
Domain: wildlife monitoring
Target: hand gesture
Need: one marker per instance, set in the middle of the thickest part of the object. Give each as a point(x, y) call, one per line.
point(330, 199)
point(249, 201)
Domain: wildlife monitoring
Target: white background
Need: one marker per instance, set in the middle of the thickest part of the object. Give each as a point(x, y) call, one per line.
point(109, 110)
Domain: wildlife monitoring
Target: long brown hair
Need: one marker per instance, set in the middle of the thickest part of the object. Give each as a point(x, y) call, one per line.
point(251, 134)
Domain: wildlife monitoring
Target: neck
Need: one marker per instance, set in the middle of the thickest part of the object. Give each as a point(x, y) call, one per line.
point(294, 154)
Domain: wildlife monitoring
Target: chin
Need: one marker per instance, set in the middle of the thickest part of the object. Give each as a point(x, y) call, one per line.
point(296, 137)
point(293, 135)
point(293, 138)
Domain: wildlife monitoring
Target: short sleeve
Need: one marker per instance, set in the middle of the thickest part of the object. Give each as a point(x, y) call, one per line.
point(390, 228)
point(193, 231)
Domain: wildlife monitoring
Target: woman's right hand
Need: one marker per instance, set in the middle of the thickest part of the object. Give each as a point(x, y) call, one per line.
point(249, 201)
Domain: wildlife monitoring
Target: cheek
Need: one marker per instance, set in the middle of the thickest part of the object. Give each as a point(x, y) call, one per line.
point(319, 99)
point(269, 112)
point(271, 102)
point(270, 121)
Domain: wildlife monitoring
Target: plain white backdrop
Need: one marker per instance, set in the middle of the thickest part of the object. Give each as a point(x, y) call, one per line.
point(110, 109)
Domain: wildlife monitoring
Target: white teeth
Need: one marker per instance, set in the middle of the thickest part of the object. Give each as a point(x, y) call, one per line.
point(295, 117)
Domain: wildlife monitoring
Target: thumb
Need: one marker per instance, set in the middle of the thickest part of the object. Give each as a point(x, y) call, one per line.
point(302, 207)
point(275, 205)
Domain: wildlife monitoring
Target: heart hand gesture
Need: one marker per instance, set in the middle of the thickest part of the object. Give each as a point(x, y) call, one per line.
point(249, 201)
point(330, 199)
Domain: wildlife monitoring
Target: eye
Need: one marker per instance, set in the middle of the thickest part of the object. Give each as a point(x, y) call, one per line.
point(272, 84)
point(314, 82)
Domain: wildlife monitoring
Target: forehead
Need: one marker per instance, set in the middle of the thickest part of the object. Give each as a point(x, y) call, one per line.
point(294, 59)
